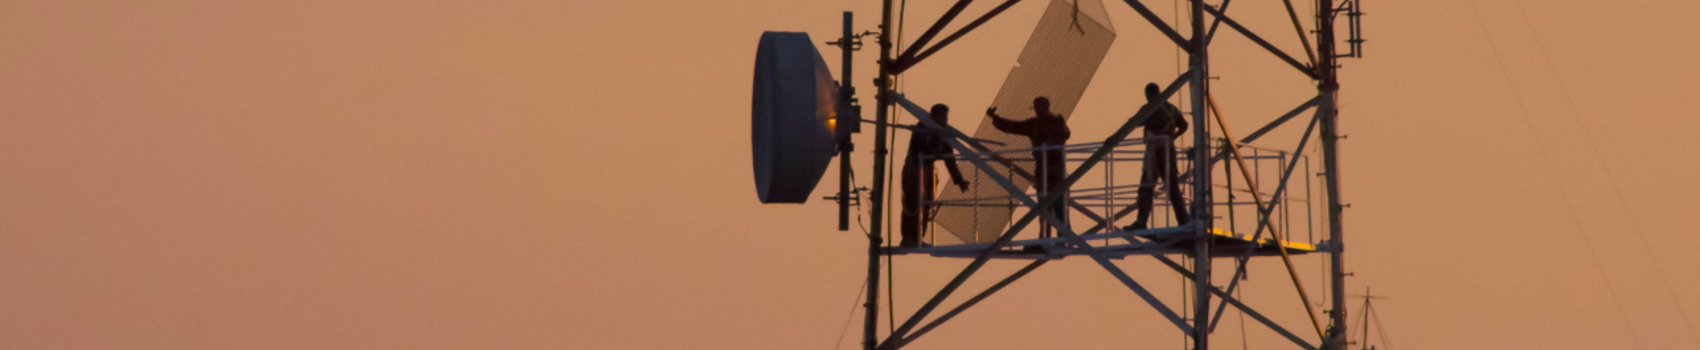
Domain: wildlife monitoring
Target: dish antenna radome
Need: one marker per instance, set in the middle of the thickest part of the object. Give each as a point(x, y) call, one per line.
point(791, 114)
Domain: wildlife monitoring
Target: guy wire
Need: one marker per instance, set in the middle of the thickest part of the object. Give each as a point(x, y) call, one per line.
point(1552, 171)
point(846, 327)
point(1635, 225)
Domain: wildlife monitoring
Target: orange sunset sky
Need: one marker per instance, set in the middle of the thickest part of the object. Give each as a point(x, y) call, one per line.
point(369, 174)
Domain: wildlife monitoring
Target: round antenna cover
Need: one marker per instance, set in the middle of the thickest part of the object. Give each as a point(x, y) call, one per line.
point(791, 113)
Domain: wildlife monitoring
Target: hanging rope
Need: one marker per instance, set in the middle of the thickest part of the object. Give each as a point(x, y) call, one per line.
point(1635, 225)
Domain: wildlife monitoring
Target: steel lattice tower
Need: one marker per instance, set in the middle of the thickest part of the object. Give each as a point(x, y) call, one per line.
point(1199, 240)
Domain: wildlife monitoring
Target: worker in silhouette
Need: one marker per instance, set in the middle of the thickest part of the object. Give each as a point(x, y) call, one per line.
point(919, 175)
point(1047, 132)
point(1164, 126)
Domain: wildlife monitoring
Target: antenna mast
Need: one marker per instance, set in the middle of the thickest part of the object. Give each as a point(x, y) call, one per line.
point(1328, 110)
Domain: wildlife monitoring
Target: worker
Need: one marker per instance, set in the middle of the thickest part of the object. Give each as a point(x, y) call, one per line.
point(1161, 129)
point(919, 174)
point(1047, 132)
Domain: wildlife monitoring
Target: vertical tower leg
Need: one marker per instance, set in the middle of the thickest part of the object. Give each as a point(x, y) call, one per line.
point(1328, 107)
point(877, 198)
point(1201, 186)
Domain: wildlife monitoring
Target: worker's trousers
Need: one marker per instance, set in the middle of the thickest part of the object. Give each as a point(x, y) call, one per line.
point(1160, 165)
point(917, 191)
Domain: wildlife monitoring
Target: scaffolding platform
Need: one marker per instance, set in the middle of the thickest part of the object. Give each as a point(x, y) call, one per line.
point(1117, 245)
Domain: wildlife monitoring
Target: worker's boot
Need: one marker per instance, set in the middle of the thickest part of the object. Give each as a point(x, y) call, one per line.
point(1137, 225)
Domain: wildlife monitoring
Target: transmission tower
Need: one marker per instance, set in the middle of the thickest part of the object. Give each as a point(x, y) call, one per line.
point(1203, 238)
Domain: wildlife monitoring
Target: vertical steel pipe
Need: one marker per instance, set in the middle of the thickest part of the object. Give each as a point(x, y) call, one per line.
point(882, 99)
point(842, 127)
point(1201, 217)
point(1329, 88)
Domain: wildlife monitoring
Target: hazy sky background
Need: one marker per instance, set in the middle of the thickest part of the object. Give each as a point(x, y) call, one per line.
point(576, 175)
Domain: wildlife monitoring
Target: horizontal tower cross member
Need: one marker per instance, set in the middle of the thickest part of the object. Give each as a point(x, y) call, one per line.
point(1239, 272)
point(966, 304)
point(1182, 42)
point(1242, 306)
point(1308, 71)
point(931, 32)
point(908, 63)
point(1282, 120)
point(1211, 37)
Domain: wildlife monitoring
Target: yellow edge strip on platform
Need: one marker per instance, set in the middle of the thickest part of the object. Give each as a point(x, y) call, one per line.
point(1247, 238)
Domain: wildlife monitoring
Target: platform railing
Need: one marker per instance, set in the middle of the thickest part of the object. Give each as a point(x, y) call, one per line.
point(1105, 199)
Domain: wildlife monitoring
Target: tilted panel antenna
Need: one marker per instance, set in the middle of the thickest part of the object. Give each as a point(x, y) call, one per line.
point(1058, 62)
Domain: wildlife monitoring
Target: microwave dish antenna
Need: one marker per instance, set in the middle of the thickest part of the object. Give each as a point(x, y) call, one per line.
point(792, 115)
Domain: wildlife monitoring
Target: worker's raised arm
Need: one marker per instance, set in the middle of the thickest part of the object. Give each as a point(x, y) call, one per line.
point(1010, 126)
